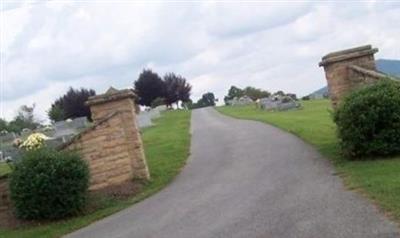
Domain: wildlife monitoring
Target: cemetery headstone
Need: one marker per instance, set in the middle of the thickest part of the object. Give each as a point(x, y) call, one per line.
point(144, 118)
point(242, 101)
point(68, 128)
point(279, 103)
point(26, 132)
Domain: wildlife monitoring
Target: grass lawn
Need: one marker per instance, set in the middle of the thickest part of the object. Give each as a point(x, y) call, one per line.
point(4, 169)
point(166, 147)
point(377, 179)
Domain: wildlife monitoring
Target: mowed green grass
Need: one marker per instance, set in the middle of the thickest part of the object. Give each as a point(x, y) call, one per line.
point(166, 146)
point(377, 179)
point(4, 169)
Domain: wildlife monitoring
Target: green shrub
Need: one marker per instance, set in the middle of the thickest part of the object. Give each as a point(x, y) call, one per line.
point(47, 184)
point(368, 120)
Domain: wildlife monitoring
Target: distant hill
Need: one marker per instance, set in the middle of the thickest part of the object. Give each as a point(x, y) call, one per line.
point(319, 93)
point(390, 67)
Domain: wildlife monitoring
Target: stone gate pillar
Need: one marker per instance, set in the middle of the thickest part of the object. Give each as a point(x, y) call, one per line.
point(343, 70)
point(122, 101)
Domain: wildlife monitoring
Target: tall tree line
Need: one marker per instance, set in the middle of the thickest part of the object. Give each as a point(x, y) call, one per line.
point(152, 90)
point(71, 105)
point(252, 92)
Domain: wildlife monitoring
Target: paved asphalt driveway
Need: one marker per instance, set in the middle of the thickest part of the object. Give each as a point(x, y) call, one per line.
point(247, 179)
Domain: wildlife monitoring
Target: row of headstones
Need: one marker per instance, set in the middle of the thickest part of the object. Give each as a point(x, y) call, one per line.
point(280, 103)
point(242, 101)
point(58, 133)
point(145, 118)
point(62, 131)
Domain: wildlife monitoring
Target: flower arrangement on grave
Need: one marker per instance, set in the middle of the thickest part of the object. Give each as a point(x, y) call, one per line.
point(34, 141)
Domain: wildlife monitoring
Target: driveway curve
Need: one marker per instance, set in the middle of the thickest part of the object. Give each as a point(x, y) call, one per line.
point(248, 179)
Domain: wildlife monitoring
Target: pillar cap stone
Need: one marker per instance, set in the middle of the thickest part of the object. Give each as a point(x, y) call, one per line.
point(347, 54)
point(112, 94)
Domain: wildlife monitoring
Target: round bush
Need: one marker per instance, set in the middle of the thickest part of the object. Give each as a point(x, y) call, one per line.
point(368, 120)
point(47, 184)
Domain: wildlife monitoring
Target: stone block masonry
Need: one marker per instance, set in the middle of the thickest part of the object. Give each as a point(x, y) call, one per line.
point(112, 146)
point(349, 69)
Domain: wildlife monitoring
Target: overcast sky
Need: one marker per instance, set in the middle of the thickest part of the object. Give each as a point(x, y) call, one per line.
point(48, 46)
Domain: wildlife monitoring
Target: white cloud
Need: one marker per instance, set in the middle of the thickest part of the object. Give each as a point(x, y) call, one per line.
point(50, 46)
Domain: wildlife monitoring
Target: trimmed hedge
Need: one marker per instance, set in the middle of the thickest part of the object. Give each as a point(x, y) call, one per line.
point(47, 184)
point(368, 120)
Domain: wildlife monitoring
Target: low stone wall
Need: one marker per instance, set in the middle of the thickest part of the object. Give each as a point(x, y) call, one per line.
point(348, 70)
point(145, 118)
point(361, 76)
point(112, 146)
point(105, 148)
